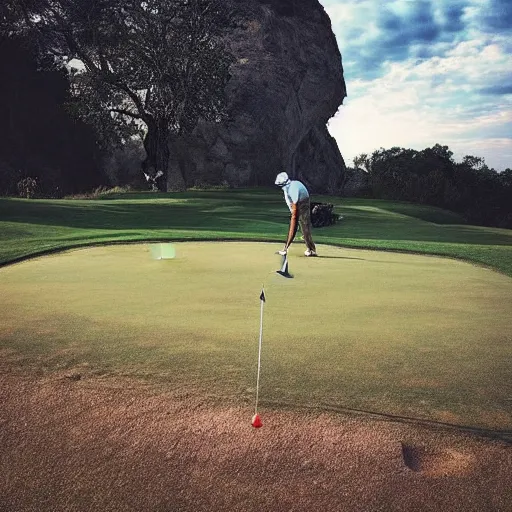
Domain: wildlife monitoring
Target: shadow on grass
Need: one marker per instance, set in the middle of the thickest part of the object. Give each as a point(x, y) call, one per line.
point(192, 214)
point(339, 258)
point(256, 212)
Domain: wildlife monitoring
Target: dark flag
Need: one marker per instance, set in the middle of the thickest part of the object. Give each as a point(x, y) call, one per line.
point(262, 296)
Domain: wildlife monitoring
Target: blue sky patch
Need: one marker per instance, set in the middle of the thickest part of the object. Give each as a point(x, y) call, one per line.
point(423, 72)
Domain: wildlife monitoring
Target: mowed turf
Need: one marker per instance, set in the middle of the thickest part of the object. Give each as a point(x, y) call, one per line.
point(408, 335)
point(33, 227)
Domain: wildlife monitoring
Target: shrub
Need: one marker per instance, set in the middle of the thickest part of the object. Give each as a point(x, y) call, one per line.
point(27, 187)
point(101, 192)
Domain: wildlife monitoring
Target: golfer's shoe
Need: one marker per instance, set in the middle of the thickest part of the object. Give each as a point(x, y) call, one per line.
point(284, 252)
point(310, 253)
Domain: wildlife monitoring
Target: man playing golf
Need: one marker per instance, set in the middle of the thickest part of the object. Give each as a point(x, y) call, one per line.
point(296, 196)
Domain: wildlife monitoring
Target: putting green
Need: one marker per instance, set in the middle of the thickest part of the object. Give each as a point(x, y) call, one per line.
point(402, 334)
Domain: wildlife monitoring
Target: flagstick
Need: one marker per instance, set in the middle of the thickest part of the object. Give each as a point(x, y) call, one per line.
point(262, 301)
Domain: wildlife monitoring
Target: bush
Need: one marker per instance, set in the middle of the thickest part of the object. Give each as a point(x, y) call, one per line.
point(101, 193)
point(27, 187)
point(205, 186)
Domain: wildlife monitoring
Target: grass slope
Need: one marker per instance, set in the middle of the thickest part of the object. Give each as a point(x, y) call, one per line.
point(30, 227)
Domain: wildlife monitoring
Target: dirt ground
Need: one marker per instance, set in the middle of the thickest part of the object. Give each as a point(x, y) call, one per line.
point(85, 443)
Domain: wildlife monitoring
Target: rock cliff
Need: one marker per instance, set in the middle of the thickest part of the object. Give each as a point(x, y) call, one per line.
point(287, 81)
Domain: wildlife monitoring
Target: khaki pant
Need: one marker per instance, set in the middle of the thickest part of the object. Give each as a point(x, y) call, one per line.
point(304, 211)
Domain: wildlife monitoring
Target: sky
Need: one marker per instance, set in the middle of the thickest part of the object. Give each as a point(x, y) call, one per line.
point(421, 72)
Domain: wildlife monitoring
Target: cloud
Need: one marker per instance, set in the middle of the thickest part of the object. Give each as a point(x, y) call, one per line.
point(452, 15)
point(497, 152)
point(424, 72)
point(439, 100)
point(404, 23)
point(498, 15)
point(362, 129)
point(497, 90)
point(371, 32)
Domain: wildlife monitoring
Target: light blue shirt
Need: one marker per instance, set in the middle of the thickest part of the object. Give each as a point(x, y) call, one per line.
point(294, 192)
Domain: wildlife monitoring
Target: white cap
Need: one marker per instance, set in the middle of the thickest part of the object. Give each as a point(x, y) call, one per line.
point(282, 179)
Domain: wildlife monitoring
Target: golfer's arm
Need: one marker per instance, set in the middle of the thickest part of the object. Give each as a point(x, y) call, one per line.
point(293, 225)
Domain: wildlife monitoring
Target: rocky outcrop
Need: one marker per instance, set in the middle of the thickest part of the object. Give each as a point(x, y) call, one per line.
point(287, 81)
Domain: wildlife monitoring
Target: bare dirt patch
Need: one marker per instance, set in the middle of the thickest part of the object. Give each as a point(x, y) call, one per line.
point(93, 443)
point(437, 462)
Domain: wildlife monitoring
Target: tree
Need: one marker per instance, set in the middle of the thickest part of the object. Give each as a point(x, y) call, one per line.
point(474, 162)
point(505, 178)
point(159, 65)
point(390, 172)
point(38, 137)
point(362, 161)
point(434, 170)
point(442, 152)
point(431, 176)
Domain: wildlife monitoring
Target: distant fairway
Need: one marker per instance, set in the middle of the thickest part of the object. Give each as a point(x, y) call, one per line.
point(409, 335)
point(33, 227)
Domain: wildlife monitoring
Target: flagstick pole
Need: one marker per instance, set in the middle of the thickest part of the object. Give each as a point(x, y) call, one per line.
point(262, 301)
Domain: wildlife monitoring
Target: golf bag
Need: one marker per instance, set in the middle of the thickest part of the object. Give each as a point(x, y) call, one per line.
point(322, 215)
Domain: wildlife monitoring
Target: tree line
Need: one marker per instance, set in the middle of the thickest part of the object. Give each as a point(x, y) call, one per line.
point(431, 176)
point(121, 68)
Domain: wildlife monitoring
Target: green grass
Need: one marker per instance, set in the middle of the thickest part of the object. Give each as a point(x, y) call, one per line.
point(384, 332)
point(388, 333)
point(29, 227)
